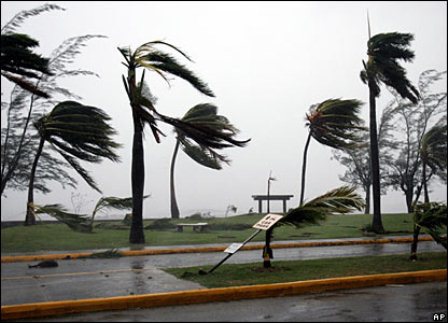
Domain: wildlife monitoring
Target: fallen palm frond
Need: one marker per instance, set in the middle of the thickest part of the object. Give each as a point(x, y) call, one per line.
point(76, 222)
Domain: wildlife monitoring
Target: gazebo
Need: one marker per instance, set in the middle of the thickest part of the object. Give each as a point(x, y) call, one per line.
point(261, 198)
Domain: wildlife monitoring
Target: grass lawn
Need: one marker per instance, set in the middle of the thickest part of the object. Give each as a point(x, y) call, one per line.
point(57, 237)
point(287, 271)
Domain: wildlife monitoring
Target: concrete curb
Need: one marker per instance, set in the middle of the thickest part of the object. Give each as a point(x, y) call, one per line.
point(164, 251)
point(33, 310)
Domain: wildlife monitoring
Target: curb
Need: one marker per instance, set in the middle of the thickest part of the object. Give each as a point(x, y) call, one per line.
point(165, 251)
point(197, 296)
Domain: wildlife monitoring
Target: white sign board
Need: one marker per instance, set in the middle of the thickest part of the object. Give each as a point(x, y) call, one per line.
point(267, 222)
point(234, 247)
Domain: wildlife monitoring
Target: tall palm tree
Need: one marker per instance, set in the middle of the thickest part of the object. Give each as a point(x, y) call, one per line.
point(384, 50)
point(143, 112)
point(333, 123)
point(433, 152)
point(341, 200)
point(76, 132)
point(203, 115)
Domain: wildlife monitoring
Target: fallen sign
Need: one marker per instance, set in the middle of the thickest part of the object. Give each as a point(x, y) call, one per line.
point(265, 223)
point(268, 221)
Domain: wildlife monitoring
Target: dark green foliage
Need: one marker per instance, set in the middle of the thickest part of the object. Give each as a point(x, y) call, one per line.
point(76, 222)
point(341, 200)
point(382, 67)
point(336, 123)
point(433, 219)
point(434, 148)
point(79, 132)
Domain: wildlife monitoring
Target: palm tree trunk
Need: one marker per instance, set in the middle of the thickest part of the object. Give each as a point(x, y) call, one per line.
point(425, 184)
point(30, 218)
point(136, 235)
point(305, 153)
point(267, 251)
point(175, 214)
point(415, 243)
point(377, 225)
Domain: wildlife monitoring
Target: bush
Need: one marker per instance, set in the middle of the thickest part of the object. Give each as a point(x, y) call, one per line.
point(161, 224)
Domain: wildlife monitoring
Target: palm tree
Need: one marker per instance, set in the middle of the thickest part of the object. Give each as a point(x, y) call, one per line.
point(341, 200)
point(143, 112)
point(202, 115)
point(333, 123)
point(432, 218)
point(383, 51)
point(76, 132)
point(433, 152)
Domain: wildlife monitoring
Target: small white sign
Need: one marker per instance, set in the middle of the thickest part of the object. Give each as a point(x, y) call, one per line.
point(268, 221)
point(234, 247)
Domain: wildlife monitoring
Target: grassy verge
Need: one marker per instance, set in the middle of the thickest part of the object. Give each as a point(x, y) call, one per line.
point(58, 237)
point(287, 271)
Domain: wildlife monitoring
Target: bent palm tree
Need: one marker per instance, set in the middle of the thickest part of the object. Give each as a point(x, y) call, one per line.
point(76, 132)
point(433, 152)
point(338, 201)
point(202, 115)
point(384, 50)
point(143, 112)
point(432, 218)
point(333, 123)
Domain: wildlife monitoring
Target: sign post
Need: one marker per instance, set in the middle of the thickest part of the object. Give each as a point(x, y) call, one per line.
point(264, 224)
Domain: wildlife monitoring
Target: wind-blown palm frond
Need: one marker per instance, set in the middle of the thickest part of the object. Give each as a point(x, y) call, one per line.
point(336, 123)
point(77, 222)
point(19, 62)
point(20, 17)
point(153, 59)
point(205, 116)
point(432, 218)
point(384, 50)
point(112, 202)
point(434, 147)
point(80, 132)
point(340, 200)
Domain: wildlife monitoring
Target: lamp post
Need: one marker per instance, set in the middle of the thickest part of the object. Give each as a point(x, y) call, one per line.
point(269, 186)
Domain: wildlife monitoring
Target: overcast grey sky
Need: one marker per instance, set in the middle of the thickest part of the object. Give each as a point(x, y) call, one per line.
point(267, 62)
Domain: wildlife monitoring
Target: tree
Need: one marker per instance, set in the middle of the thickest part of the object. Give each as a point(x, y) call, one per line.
point(76, 132)
point(433, 153)
point(341, 200)
point(18, 142)
point(411, 123)
point(204, 115)
point(432, 218)
point(357, 161)
point(144, 112)
point(384, 50)
point(334, 123)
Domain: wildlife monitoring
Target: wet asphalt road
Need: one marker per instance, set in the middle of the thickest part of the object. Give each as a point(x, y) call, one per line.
point(393, 303)
point(92, 278)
